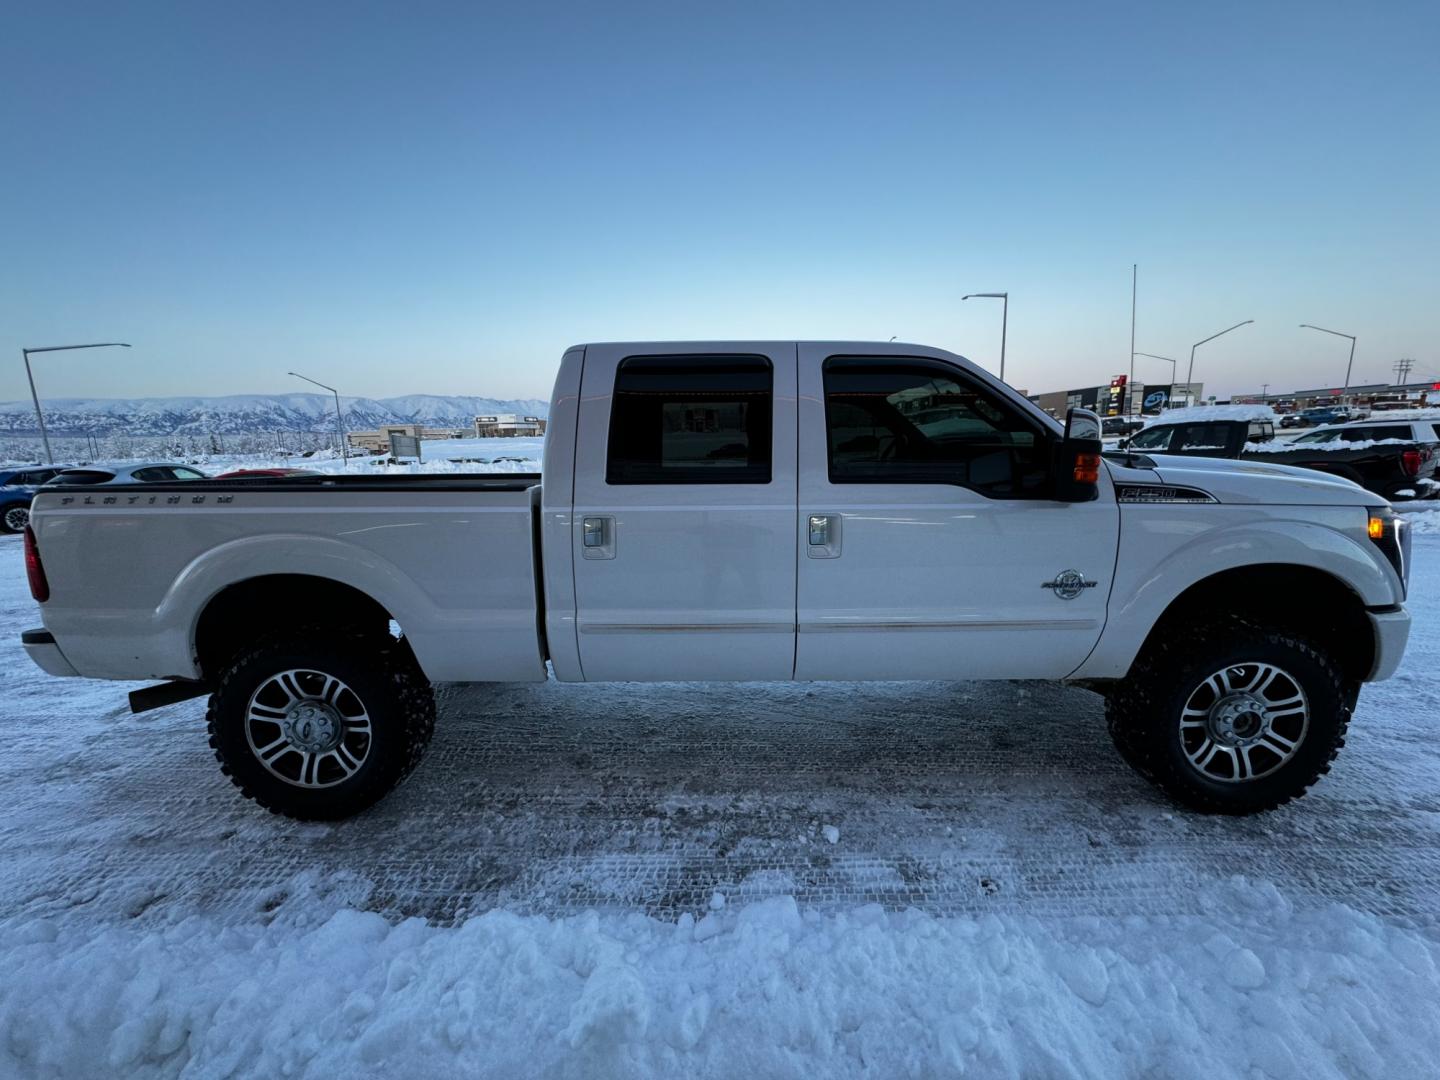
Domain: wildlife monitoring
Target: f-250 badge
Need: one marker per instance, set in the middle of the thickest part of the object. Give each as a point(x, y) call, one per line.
point(1069, 584)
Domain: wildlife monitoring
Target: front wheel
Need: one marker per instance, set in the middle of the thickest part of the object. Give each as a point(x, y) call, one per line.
point(319, 724)
point(13, 519)
point(1231, 718)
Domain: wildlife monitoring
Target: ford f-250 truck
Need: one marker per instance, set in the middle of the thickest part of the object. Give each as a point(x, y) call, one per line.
point(744, 511)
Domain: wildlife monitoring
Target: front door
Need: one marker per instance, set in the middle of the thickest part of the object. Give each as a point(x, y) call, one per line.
point(929, 543)
point(684, 524)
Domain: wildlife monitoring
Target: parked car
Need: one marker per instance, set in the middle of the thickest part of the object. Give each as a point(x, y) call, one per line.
point(1323, 414)
point(1292, 420)
point(1121, 425)
point(1396, 459)
point(147, 473)
point(744, 511)
point(1202, 438)
point(17, 489)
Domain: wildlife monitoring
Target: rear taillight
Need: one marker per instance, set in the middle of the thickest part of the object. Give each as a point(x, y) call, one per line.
point(34, 569)
point(1410, 461)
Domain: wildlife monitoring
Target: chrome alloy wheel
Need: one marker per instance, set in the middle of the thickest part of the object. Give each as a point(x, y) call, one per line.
point(16, 518)
point(308, 728)
point(1244, 722)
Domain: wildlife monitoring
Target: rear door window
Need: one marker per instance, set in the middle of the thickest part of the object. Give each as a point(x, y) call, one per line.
point(691, 420)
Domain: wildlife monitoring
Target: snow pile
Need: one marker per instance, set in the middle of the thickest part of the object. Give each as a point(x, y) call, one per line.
point(521, 454)
point(1254, 988)
point(1284, 447)
point(1385, 415)
point(1204, 414)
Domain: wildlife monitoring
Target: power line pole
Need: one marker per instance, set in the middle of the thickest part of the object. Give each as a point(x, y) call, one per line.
point(1402, 370)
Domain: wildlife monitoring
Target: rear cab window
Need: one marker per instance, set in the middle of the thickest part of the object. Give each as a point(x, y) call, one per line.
point(691, 420)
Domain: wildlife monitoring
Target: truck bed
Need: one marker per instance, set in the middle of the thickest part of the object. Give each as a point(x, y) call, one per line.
point(408, 482)
point(451, 558)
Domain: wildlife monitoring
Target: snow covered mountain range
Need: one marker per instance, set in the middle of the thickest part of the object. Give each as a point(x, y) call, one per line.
point(247, 413)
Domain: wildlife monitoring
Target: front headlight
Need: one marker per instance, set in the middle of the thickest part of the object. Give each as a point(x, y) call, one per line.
point(1391, 534)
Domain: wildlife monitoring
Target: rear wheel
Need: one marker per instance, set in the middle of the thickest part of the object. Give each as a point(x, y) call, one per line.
point(13, 519)
point(319, 724)
point(1231, 718)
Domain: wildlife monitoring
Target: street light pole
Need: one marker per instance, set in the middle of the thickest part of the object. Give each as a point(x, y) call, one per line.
point(339, 423)
point(1348, 366)
point(1174, 365)
point(1004, 320)
point(1190, 375)
point(1130, 383)
point(39, 414)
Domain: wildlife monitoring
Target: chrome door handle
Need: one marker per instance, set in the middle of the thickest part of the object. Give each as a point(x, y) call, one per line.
point(597, 537)
point(819, 530)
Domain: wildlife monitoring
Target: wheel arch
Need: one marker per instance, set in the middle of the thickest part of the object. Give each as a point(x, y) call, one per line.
point(244, 610)
point(1316, 604)
point(1266, 566)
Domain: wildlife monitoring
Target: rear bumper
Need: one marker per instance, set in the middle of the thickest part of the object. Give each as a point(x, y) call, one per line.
point(1392, 630)
point(40, 644)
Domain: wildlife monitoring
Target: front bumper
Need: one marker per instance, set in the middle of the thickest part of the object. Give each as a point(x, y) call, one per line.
point(40, 644)
point(1392, 630)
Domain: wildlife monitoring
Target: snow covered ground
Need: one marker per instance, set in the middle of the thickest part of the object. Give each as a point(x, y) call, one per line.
point(437, 456)
point(622, 881)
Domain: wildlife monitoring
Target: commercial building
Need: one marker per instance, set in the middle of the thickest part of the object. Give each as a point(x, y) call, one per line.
point(378, 442)
point(507, 425)
point(1120, 397)
point(1418, 394)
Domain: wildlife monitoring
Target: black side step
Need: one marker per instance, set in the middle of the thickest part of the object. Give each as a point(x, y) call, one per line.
point(166, 693)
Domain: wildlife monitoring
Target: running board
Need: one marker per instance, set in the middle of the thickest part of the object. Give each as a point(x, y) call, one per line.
point(166, 693)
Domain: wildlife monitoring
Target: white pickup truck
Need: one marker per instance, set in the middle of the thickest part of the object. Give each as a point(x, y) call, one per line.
point(744, 511)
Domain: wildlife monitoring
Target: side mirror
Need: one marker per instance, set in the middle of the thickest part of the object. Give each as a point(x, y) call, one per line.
point(1077, 469)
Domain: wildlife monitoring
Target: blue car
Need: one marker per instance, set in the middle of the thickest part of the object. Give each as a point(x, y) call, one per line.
point(17, 488)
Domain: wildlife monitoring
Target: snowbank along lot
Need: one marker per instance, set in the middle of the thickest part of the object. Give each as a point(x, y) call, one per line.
point(880, 880)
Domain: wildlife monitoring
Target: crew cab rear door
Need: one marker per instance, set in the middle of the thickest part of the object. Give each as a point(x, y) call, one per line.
point(930, 544)
point(684, 521)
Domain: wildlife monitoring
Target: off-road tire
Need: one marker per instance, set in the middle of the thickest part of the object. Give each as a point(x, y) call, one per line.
point(383, 674)
point(1143, 712)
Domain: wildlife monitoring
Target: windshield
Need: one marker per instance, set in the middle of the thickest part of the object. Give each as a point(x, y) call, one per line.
point(1323, 435)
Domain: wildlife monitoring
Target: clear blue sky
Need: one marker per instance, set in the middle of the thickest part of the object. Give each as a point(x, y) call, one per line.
point(439, 198)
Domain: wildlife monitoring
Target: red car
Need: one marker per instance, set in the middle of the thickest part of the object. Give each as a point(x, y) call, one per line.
point(267, 472)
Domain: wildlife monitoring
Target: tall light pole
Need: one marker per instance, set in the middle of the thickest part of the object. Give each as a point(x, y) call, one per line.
point(1190, 375)
point(1348, 366)
point(1004, 320)
point(1130, 383)
point(39, 415)
point(339, 424)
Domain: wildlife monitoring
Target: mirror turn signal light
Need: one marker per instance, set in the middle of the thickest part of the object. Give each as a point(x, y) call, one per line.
point(1087, 468)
